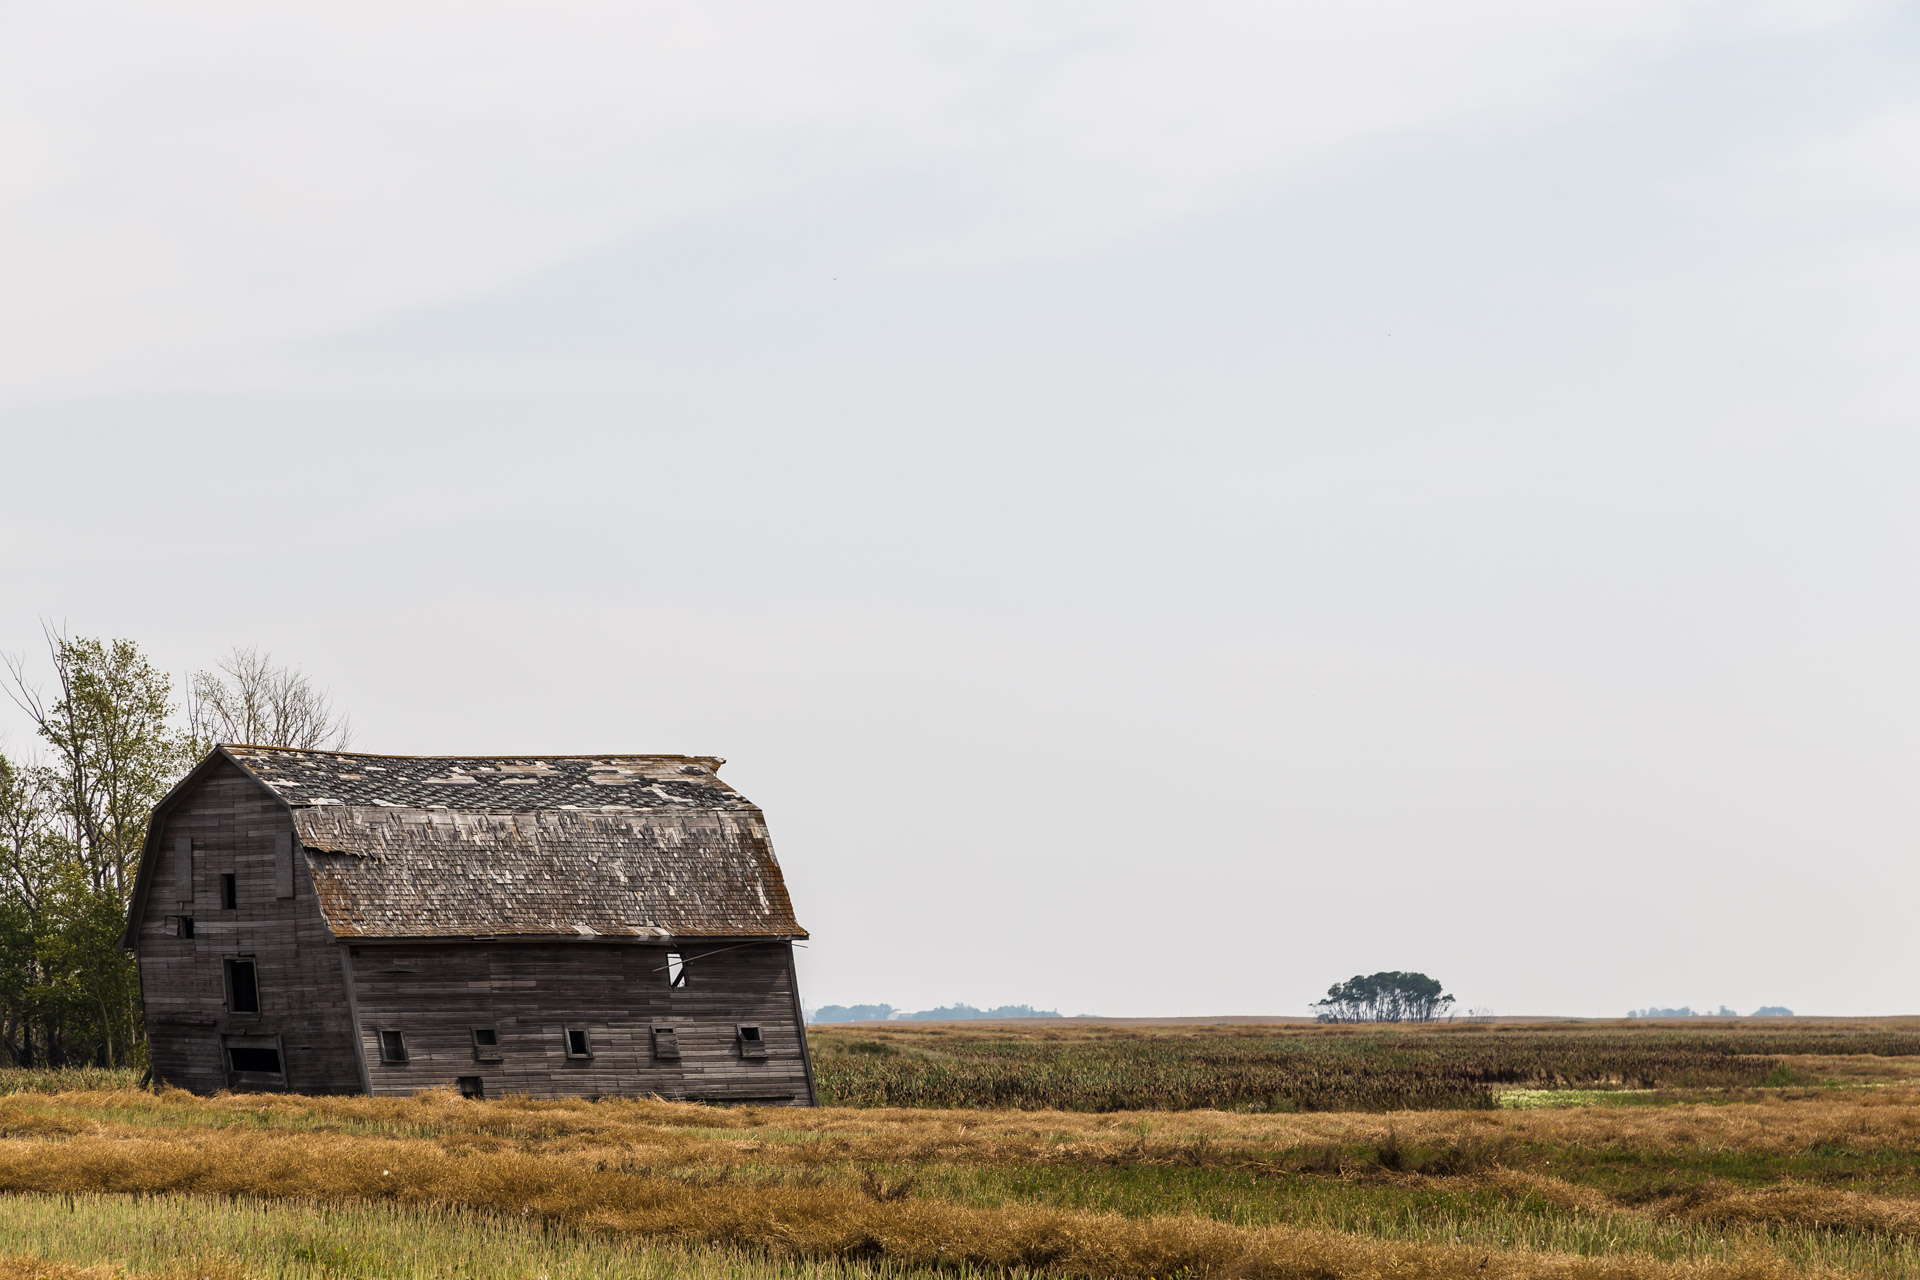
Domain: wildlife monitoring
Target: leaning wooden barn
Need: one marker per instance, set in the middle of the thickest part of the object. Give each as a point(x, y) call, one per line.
point(324, 922)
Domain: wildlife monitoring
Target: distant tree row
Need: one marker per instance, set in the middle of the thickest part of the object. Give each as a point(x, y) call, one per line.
point(1764, 1011)
point(73, 820)
point(954, 1012)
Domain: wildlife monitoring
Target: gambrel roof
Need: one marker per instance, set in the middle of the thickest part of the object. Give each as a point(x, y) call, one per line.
point(615, 846)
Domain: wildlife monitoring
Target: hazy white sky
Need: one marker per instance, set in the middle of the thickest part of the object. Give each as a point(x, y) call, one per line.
point(1165, 506)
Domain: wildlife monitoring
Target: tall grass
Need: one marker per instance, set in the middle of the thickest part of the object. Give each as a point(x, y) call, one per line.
point(235, 1239)
point(66, 1079)
point(298, 1241)
point(1619, 1192)
point(1491, 1212)
point(1767, 1182)
point(1309, 1069)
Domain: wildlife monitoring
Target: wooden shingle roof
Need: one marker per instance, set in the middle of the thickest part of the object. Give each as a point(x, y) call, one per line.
point(619, 846)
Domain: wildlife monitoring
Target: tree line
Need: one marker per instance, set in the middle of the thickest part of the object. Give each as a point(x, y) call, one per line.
point(109, 741)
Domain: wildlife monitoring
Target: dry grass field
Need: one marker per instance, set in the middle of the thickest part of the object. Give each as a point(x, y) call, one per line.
point(1573, 1171)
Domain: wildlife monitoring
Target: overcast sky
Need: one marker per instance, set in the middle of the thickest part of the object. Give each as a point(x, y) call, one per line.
point(1166, 507)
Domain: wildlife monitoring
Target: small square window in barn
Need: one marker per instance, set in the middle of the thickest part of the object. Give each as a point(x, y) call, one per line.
point(471, 1086)
point(486, 1044)
point(393, 1046)
point(676, 970)
point(752, 1044)
point(243, 987)
point(258, 1061)
point(179, 926)
point(666, 1044)
point(578, 1044)
point(229, 891)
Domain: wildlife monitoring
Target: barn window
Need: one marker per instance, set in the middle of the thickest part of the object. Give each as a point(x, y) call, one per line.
point(393, 1046)
point(471, 1086)
point(676, 970)
point(752, 1044)
point(243, 987)
point(229, 891)
point(578, 1043)
point(486, 1044)
point(259, 1060)
point(666, 1043)
point(179, 926)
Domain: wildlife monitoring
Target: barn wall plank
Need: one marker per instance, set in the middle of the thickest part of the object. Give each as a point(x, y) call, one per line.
point(435, 994)
point(236, 827)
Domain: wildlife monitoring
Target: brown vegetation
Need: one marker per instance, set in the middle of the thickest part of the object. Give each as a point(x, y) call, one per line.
point(860, 1184)
point(1747, 1181)
point(21, 1266)
point(819, 1220)
point(667, 1134)
point(1051, 1065)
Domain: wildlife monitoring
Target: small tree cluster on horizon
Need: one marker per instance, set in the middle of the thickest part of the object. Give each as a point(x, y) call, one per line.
point(73, 822)
point(1388, 996)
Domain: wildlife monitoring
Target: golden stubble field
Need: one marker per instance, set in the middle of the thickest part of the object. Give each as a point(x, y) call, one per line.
point(1817, 1177)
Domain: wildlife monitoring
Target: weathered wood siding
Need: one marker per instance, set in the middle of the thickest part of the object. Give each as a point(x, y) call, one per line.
point(237, 827)
point(435, 994)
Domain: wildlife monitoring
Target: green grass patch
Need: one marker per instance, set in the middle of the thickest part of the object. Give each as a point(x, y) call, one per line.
point(1533, 1099)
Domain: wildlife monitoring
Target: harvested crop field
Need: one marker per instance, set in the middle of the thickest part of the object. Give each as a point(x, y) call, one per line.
point(1817, 1173)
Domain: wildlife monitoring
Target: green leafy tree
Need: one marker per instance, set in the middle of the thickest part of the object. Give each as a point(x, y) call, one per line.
point(75, 847)
point(114, 750)
point(1388, 996)
point(73, 825)
point(28, 865)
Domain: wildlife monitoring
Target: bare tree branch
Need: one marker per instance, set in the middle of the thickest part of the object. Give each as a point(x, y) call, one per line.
point(249, 700)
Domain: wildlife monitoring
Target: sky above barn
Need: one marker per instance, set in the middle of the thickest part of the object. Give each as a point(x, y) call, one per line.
point(1165, 506)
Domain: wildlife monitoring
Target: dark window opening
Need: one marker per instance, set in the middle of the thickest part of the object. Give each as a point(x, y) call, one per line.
point(179, 926)
point(751, 1043)
point(666, 1043)
point(243, 987)
point(229, 891)
point(676, 970)
point(263, 1061)
point(393, 1046)
point(486, 1044)
point(578, 1045)
point(471, 1086)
